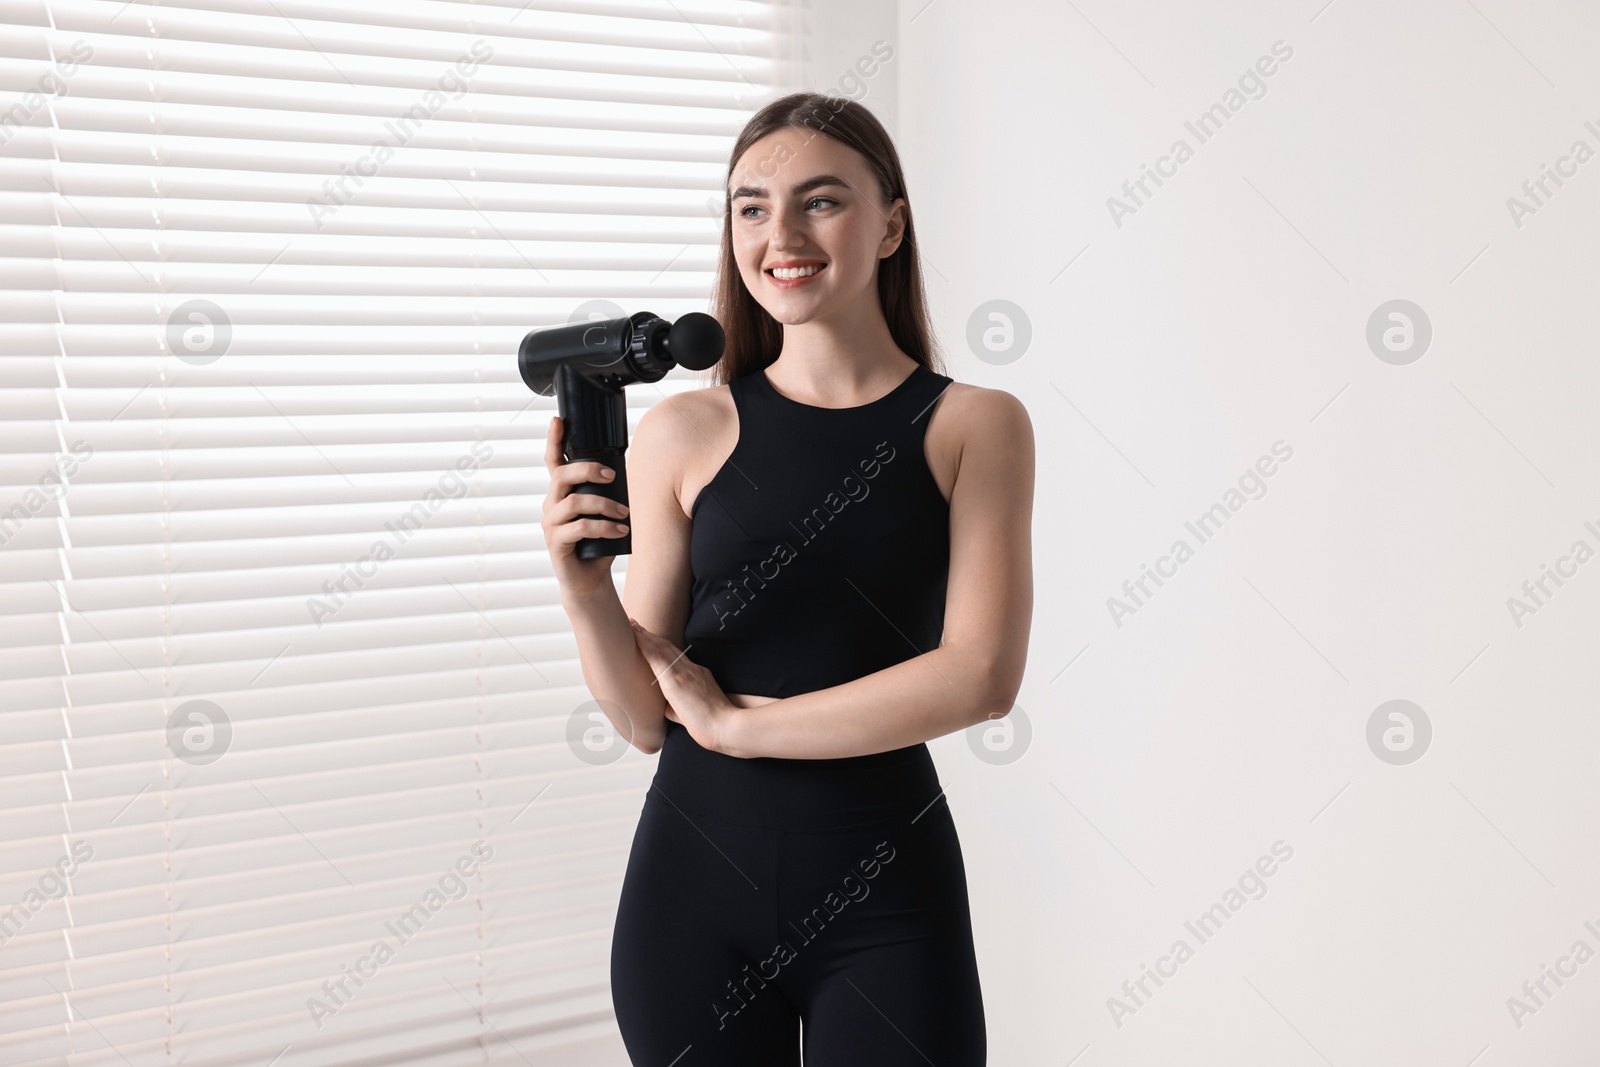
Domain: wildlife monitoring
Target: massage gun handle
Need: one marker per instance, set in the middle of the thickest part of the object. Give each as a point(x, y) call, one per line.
point(616, 489)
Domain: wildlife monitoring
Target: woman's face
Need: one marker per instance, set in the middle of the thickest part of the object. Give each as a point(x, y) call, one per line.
point(800, 197)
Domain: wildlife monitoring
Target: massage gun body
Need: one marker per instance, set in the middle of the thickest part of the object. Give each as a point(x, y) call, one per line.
point(586, 365)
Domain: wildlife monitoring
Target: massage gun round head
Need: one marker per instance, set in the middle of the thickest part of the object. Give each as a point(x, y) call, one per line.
point(695, 341)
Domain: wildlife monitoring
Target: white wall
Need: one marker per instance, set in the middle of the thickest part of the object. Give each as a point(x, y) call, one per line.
point(844, 47)
point(1231, 711)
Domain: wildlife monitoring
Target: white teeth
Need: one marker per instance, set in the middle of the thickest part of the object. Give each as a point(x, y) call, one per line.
point(789, 273)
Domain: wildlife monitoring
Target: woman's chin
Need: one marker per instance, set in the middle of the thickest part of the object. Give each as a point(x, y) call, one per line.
point(791, 313)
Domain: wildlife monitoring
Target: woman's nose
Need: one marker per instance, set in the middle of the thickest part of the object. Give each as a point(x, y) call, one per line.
point(783, 231)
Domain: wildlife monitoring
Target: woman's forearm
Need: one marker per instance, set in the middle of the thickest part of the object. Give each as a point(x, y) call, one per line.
point(916, 700)
point(617, 674)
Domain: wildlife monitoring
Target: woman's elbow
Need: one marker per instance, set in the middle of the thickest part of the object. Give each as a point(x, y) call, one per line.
point(1002, 683)
point(648, 737)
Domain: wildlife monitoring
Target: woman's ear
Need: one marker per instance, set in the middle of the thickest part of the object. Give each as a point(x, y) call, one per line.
point(896, 216)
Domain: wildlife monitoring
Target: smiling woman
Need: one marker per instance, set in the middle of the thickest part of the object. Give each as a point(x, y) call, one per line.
point(791, 698)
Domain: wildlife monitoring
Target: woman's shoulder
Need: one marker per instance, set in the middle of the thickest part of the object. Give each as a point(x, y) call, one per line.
point(968, 423)
point(681, 437)
point(679, 418)
point(968, 407)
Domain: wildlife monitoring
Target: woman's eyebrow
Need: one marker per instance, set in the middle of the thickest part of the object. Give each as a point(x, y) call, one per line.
point(800, 187)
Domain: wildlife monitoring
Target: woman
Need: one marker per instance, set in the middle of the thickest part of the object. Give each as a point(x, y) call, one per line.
point(831, 565)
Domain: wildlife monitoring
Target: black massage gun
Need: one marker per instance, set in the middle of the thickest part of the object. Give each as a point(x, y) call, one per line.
point(586, 364)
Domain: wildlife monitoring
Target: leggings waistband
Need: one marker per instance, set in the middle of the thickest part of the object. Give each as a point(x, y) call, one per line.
point(794, 794)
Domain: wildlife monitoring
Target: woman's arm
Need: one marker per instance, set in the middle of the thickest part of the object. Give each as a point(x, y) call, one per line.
point(656, 585)
point(977, 669)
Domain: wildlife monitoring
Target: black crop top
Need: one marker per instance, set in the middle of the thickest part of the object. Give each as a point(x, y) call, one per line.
point(820, 549)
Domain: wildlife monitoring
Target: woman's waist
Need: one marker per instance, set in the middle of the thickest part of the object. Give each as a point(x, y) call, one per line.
point(750, 700)
point(794, 794)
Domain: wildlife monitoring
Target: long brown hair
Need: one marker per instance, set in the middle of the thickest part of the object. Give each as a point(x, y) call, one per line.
point(754, 338)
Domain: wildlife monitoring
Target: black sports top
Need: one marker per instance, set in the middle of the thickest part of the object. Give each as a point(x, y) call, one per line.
point(820, 549)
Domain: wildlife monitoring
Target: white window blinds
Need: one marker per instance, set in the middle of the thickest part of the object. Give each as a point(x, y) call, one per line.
point(285, 684)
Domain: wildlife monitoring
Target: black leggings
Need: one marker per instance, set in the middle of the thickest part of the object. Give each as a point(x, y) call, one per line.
point(765, 893)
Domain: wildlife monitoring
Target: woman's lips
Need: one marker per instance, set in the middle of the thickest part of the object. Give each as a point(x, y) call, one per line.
point(793, 283)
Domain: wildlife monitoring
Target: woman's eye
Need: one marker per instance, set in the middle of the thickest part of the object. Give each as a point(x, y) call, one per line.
point(744, 211)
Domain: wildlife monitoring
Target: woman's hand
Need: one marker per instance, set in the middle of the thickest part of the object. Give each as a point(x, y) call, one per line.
point(563, 521)
point(694, 699)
